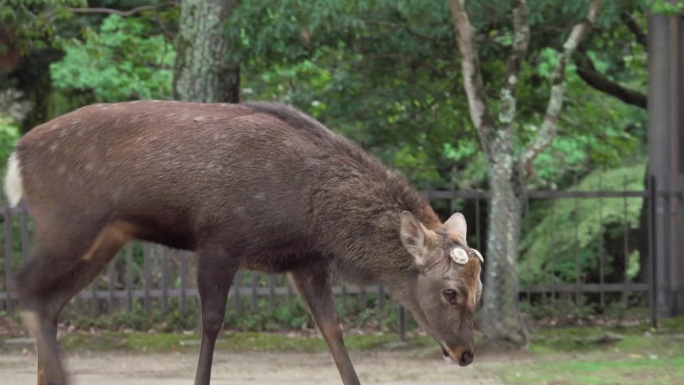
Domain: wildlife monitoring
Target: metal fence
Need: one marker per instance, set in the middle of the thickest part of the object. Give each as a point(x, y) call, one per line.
point(154, 277)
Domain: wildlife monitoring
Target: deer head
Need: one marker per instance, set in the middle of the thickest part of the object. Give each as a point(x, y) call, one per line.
point(444, 285)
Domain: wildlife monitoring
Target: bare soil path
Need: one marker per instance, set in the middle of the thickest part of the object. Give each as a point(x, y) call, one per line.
point(389, 368)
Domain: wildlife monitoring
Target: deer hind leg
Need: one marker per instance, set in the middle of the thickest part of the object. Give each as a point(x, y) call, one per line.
point(215, 274)
point(59, 268)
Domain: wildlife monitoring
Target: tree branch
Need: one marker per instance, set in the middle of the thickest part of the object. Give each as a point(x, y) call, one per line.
point(130, 12)
point(588, 73)
point(634, 27)
point(521, 39)
point(547, 131)
point(472, 73)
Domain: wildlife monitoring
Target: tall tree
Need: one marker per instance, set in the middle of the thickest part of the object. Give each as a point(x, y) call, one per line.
point(205, 70)
point(508, 168)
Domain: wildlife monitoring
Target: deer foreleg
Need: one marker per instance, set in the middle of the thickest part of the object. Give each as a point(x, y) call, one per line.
point(314, 287)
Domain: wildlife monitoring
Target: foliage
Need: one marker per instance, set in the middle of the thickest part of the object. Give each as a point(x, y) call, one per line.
point(386, 80)
point(126, 60)
point(136, 319)
point(666, 7)
point(577, 147)
point(592, 130)
point(9, 134)
point(12, 110)
point(549, 255)
point(378, 78)
point(285, 316)
point(36, 24)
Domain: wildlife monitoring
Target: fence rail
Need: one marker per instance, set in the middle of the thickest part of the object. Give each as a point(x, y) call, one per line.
point(148, 273)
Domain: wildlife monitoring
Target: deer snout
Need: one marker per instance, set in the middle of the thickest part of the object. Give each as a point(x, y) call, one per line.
point(466, 358)
point(463, 357)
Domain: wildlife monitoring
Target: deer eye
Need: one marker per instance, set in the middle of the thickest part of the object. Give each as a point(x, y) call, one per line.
point(450, 295)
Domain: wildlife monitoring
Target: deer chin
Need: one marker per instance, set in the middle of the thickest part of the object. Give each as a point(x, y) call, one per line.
point(446, 356)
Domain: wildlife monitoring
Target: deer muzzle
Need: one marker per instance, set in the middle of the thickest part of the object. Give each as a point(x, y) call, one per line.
point(462, 357)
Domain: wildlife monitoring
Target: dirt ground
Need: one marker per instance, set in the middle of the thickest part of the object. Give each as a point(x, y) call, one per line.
point(252, 368)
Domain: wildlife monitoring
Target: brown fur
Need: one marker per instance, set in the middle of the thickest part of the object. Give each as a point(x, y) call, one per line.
point(254, 185)
point(471, 277)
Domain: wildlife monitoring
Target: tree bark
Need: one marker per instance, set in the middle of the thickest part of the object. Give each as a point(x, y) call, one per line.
point(33, 79)
point(501, 318)
point(204, 69)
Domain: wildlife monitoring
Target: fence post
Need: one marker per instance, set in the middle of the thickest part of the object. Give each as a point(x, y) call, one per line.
point(9, 258)
point(402, 324)
point(237, 283)
point(129, 277)
point(652, 276)
point(165, 280)
point(677, 169)
point(147, 274)
point(111, 279)
point(183, 281)
point(25, 244)
point(659, 147)
point(254, 295)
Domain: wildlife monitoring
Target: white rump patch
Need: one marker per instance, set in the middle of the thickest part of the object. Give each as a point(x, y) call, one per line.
point(14, 186)
point(459, 255)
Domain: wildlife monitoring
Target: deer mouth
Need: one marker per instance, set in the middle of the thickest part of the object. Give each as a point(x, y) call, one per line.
point(464, 359)
point(446, 356)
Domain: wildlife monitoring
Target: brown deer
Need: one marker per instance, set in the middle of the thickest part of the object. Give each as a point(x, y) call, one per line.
point(260, 186)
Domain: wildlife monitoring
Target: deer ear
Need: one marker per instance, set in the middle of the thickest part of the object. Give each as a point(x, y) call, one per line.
point(457, 225)
point(414, 237)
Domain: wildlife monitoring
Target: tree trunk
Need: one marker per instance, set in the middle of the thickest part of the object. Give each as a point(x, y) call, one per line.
point(32, 78)
point(501, 319)
point(204, 69)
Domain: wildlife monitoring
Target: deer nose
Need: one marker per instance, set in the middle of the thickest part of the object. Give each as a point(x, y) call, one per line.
point(466, 358)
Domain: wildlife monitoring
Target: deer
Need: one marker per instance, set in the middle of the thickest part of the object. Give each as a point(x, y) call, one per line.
point(255, 185)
